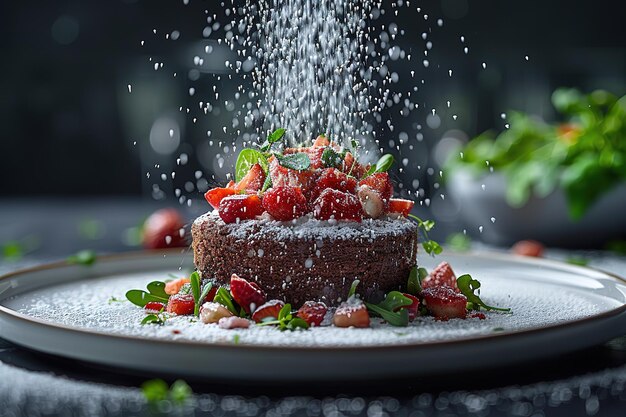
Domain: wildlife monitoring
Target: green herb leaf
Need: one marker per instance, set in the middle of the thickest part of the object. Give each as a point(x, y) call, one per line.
point(414, 286)
point(248, 157)
point(223, 297)
point(267, 183)
point(285, 320)
point(194, 279)
point(157, 288)
point(156, 292)
point(383, 164)
point(207, 288)
point(83, 257)
point(180, 391)
point(153, 319)
point(395, 300)
point(468, 287)
point(431, 247)
point(352, 291)
point(399, 318)
point(332, 158)
point(276, 135)
point(154, 390)
point(298, 161)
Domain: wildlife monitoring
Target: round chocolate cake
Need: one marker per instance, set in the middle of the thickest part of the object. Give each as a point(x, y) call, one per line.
point(308, 259)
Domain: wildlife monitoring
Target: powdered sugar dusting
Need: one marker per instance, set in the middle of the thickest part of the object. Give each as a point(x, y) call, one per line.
point(308, 227)
point(88, 305)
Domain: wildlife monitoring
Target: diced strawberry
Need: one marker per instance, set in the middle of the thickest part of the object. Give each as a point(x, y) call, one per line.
point(164, 228)
point(321, 141)
point(352, 313)
point(231, 184)
point(285, 177)
point(335, 179)
point(233, 322)
point(413, 308)
point(211, 295)
point(351, 166)
point(313, 312)
point(285, 203)
point(269, 309)
point(445, 303)
point(337, 205)
point(247, 294)
point(371, 201)
point(528, 248)
point(215, 195)
point(253, 180)
point(442, 275)
point(181, 304)
point(400, 206)
point(380, 182)
point(173, 287)
point(240, 207)
point(154, 307)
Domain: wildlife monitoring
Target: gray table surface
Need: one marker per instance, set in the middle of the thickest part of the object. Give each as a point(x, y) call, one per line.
point(590, 382)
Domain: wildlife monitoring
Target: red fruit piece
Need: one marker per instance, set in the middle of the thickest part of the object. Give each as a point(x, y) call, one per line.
point(442, 275)
point(165, 228)
point(240, 207)
point(253, 180)
point(285, 177)
point(269, 309)
point(334, 179)
point(413, 307)
point(321, 141)
point(351, 166)
point(400, 206)
point(247, 294)
point(181, 304)
point(445, 303)
point(313, 312)
point(285, 203)
point(380, 182)
point(352, 313)
point(215, 196)
point(528, 248)
point(154, 306)
point(337, 205)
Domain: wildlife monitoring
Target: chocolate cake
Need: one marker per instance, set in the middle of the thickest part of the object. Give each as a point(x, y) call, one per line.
point(308, 259)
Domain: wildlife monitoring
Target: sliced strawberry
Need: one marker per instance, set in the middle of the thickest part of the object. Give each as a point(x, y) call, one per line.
point(285, 203)
point(400, 206)
point(285, 177)
point(371, 201)
point(164, 228)
point(321, 141)
point(337, 205)
point(269, 309)
point(380, 182)
point(351, 166)
point(247, 294)
point(253, 180)
point(313, 312)
point(181, 304)
point(442, 275)
point(231, 184)
point(528, 248)
point(154, 307)
point(445, 303)
point(412, 308)
point(335, 179)
point(240, 207)
point(211, 295)
point(215, 195)
point(352, 313)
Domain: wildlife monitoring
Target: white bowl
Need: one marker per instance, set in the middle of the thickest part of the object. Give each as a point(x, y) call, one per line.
point(543, 219)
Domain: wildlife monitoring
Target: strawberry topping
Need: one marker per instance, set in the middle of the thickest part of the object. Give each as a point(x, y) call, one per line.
point(442, 275)
point(247, 294)
point(334, 179)
point(381, 183)
point(313, 312)
point(240, 207)
point(445, 303)
point(269, 309)
point(252, 181)
point(181, 304)
point(154, 307)
point(286, 177)
point(334, 204)
point(321, 141)
point(215, 196)
point(400, 206)
point(285, 203)
point(413, 307)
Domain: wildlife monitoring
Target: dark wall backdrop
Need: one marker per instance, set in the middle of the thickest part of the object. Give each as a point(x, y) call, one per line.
point(68, 125)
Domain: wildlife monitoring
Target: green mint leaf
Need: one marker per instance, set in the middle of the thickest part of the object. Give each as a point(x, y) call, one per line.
point(83, 257)
point(267, 183)
point(298, 161)
point(413, 285)
point(428, 225)
point(153, 319)
point(384, 163)
point(141, 298)
point(395, 300)
point(332, 158)
point(157, 288)
point(468, 287)
point(352, 291)
point(180, 391)
point(248, 157)
point(223, 297)
point(276, 135)
point(297, 323)
point(399, 318)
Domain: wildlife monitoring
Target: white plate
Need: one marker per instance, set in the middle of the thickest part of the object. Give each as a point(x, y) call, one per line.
point(65, 310)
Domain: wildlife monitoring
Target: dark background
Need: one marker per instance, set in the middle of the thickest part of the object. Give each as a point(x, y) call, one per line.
point(68, 123)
